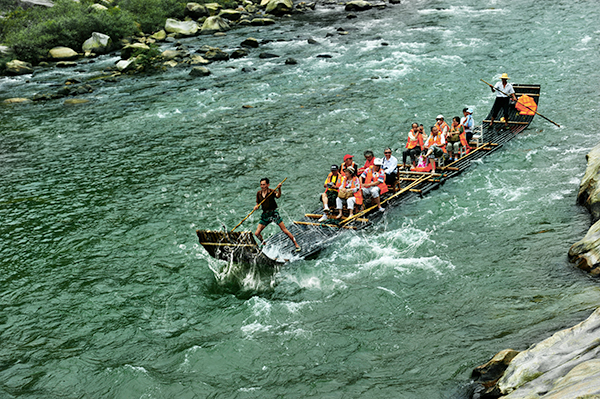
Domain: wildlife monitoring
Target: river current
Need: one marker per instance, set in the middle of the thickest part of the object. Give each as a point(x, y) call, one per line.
point(105, 292)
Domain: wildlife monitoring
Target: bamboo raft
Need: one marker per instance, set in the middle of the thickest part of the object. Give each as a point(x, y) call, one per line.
point(313, 236)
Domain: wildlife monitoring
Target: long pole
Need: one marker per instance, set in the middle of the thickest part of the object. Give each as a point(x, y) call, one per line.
point(243, 220)
point(537, 113)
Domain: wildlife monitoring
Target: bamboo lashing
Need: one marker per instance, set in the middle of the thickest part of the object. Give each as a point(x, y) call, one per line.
point(324, 225)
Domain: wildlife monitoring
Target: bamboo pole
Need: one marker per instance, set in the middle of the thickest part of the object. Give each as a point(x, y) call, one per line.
point(324, 225)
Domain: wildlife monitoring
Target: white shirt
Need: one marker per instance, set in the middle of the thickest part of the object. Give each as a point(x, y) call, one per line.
point(467, 122)
point(390, 165)
point(508, 89)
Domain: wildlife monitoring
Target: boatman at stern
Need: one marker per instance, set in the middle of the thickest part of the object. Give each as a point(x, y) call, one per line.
point(504, 92)
point(270, 214)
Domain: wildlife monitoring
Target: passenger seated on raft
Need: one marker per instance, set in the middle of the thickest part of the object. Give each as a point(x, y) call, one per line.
point(454, 138)
point(374, 182)
point(422, 164)
point(349, 191)
point(332, 183)
point(436, 147)
point(369, 157)
point(390, 167)
point(347, 162)
point(414, 145)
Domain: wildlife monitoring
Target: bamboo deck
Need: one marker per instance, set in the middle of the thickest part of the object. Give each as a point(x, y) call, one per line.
point(313, 237)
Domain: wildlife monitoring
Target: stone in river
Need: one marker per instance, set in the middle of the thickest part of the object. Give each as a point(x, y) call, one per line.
point(494, 369)
point(99, 43)
point(16, 67)
point(198, 60)
point(589, 188)
point(16, 100)
point(62, 54)
point(279, 7)
point(585, 253)
point(291, 61)
point(75, 101)
point(128, 50)
point(124, 65)
point(312, 41)
point(239, 53)
point(231, 15)
point(214, 24)
point(358, 5)
point(267, 55)
point(324, 56)
point(199, 71)
point(66, 64)
point(262, 21)
point(185, 28)
point(168, 55)
point(213, 8)
point(195, 11)
point(216, 55)
point(160, 35)
point(170, 64)
point(250, 42)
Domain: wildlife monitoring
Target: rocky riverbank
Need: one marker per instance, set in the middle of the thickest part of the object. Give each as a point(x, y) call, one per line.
point(566, 365)
point(163, 50)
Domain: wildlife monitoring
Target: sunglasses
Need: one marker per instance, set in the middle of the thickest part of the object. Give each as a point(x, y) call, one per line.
point(387, 152)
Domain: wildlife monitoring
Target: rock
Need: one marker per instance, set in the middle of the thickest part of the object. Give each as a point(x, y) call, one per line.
point(564, 366)
point(124, 65)
point(98, 7)
point(214, 24)
point(99, 43)
point(351, 16)
point(312, 41)
point(185, 28)
point(358, 5)
point(198, 60)
point(251, 9)
point(250, 42)
point(160, 35)
point(62, 54)
point(66, 64)
point(213, 8)
point(16, 100)
point(595, 272)
point(239, 53)
point(244, 21)
point(170, 64)
point(247, 69)
point(291, 61)
point(394, 1)
point(128, 51)
point(31, 3)
point(216, 55)
point(589, 190)
point(16, 67)
point(219, 34)
point(231, 15)
point(279, 7)
point(195, 11)
point(199, 71)
point(267, 55)
point(72, 81)
point(262, 21)
point(493, 370)
point(170, 54)
point(585, 253)
point(324, 56)
point(75, 101)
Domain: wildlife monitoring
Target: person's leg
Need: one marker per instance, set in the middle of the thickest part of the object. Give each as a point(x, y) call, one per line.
point(375, 195)
point(325, 201)
point(350, 203)
point(258, 232)
point(339, 205)
point(287, 233)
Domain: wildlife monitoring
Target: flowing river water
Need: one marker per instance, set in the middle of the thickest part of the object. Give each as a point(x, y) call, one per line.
point(105, 292)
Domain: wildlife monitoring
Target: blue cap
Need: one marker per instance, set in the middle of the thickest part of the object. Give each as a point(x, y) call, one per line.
point(470, 110)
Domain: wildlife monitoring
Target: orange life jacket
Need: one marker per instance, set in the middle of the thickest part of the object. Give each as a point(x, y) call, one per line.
point(354, 183)
point(372, 176)
point(437, 141)
point(343, 168)
point(526, 105)
point(413, 142)
point(442, 126)
point(336, 180)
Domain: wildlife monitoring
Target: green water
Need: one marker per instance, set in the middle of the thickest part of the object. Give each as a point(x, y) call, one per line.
point(104, 291)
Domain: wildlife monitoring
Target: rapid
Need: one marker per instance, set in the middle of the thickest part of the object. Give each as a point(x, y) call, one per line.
point(105, 292)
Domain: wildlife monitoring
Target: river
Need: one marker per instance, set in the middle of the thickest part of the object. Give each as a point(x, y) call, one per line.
point(105, 292)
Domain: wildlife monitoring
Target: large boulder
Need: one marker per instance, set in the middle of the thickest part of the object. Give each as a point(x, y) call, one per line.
point(214, 24)
point(358, 5)
point(125, 65)
point(213, 8)
point(16, 67)
point(17, 100)
point(185, 28)
point(62, 54)
point(195, 11)
point(231, 15)
point(564, 366)
point(128, 50)
point(250, 42)
point(199, 71)
point(279, 7)
point(589, 189)
point(216, 55)
point(99, 43)
point(168, 55)
point(585, 253)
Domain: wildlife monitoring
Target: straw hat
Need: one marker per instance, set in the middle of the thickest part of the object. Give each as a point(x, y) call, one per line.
point(504, 76)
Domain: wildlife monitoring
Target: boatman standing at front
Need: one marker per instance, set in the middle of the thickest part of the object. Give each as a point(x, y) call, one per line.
point(503, 90)
point(270, 214)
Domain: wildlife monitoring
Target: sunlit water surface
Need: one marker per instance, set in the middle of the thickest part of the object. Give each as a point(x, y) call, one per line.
point(104, 291)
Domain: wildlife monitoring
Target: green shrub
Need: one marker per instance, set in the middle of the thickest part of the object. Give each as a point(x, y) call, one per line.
point(31, 33)
point(152, 14)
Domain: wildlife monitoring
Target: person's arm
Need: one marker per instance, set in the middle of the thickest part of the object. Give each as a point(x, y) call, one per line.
point(257, 201)
point(278, 191)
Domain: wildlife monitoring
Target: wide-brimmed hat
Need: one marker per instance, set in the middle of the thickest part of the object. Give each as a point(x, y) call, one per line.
point(348, 156)
point(350, 169)
point(504, 76)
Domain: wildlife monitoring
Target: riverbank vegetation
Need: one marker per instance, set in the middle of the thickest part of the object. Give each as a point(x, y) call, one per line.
point(32, 32)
